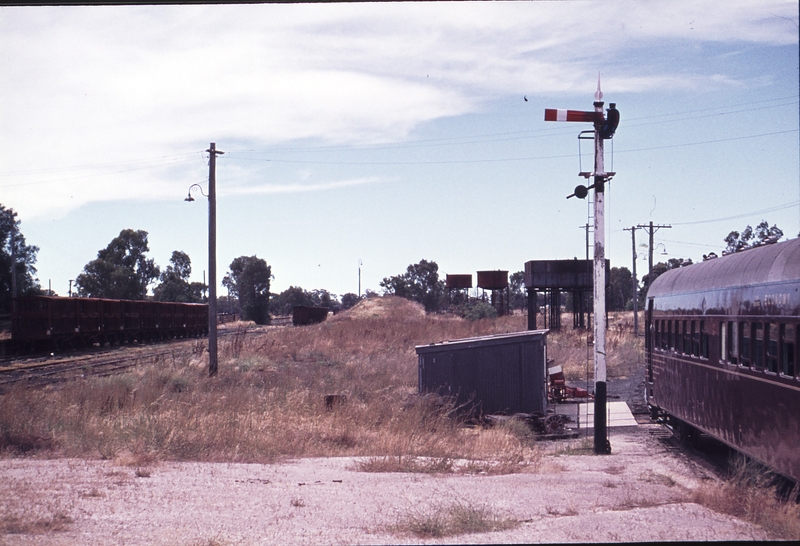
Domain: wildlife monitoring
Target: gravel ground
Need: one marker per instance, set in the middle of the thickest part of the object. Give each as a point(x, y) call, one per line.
point(638, 493)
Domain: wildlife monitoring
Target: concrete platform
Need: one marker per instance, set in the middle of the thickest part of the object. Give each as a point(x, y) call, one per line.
point(582, 414)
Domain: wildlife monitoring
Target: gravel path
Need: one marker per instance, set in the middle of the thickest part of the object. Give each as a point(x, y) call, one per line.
point(638, 493)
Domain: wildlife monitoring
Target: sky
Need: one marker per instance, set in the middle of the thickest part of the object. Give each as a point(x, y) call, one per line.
point(377, 135)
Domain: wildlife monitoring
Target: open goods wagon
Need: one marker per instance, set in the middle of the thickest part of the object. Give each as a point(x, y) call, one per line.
point(303, 315)
point(46, 322)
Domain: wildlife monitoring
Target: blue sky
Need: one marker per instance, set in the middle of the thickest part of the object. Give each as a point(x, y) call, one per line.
point(390, 133)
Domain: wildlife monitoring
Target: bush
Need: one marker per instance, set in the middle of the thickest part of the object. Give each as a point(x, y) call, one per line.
point(478, 310)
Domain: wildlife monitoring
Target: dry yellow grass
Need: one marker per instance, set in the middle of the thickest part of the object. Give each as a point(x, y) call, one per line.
point(268, 401)
point(749, 494)
point(572, 349)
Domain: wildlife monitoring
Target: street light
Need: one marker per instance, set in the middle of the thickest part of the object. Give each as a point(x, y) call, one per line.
point(189, 198)
point(212, 256)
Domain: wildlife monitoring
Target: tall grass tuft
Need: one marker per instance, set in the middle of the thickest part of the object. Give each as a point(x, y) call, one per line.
point(458, 518)
point(750, 493)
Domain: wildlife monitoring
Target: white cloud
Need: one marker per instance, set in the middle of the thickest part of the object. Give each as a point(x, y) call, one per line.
point(105, 85)
point(297, 188)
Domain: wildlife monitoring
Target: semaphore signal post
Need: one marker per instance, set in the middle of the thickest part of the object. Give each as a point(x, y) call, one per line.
point(604, 128)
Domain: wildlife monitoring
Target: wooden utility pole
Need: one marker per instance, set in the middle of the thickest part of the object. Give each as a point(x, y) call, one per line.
point(633, 229)
point(651, 229)
point(212, 260)
point(12, 239)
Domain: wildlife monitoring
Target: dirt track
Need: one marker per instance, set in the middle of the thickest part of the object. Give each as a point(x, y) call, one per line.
point(638, 493)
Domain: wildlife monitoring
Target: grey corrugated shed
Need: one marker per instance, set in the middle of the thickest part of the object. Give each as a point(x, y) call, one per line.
point(503, 373)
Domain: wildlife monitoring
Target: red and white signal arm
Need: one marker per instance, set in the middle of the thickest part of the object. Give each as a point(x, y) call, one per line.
point(553, 114)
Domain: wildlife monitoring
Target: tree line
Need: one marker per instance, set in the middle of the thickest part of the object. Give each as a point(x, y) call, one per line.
point(122, 270)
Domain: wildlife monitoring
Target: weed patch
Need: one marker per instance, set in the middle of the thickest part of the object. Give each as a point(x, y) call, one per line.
point(459, 518)
point(750, 494)
point(16, 525)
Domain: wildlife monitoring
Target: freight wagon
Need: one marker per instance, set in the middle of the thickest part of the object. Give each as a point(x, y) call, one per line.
point(52, 323)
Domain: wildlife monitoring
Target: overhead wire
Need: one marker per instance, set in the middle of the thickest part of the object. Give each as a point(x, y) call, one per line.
point(743, 215)
point(186, 158)
point(446, 141)
point(520, 135)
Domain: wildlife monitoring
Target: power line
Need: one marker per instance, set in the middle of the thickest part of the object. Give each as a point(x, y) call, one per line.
point(99, 165)
point(528, 158)
point(743, 215)
point(95, 175)
point(532, 133)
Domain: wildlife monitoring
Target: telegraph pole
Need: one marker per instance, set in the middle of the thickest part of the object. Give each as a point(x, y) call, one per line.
point(12, 239)
point(633, 229)
point(586, 227)
point(603, 129)
point(651, 229)
point(212, 260)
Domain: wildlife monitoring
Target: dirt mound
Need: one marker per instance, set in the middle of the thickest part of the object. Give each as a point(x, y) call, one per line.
point(383, 307)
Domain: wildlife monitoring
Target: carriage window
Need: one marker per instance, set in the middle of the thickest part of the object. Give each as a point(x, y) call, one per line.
point(733, 340)
point(788, 339)
point(671, 334)
point(687, 340)
point(744, 344)
point(657, 334)
point(703, 340)
point(723, 341)
point(772, 333)
point(695, 339)
point(758, 345)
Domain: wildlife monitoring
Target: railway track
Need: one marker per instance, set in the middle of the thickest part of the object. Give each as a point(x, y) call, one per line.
point(40, 370)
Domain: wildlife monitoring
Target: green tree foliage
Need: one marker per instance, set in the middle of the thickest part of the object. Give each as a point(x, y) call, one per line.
point(323, 298)
point(476, 310)
point(121, 270)
point(25, 255)
point(419, 283)
point(519, 299)
point(620, 289)
point(283, 303)
point(249, 279)
point(175, 285)
point(750, 237)
point(349, 300)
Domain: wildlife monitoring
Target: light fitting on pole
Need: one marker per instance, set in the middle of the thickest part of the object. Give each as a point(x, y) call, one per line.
point(189, 197)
